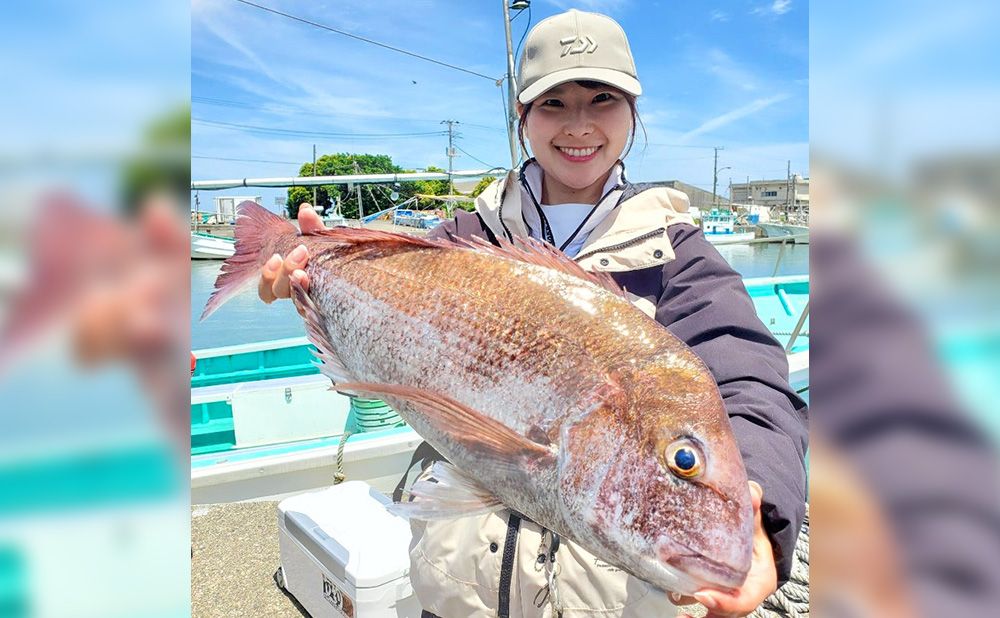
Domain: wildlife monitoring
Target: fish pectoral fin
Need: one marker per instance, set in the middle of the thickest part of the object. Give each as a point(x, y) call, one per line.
point(445, 492)
point(331, 366)
point(475, 431)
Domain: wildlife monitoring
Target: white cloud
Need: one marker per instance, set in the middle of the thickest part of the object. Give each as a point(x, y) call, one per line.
point(778, 7)
point(732, 116)
point(599, 6)
point(728, 70)
point(718, 15)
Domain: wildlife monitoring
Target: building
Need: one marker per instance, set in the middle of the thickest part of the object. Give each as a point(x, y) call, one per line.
point(700, 198)
point(225, 206)
point(773, 193)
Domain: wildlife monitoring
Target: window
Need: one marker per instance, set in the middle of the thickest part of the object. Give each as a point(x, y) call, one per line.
point(769, 193)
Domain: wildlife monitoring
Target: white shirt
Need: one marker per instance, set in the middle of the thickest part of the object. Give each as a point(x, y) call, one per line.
point(563, 220)
point(569, 216)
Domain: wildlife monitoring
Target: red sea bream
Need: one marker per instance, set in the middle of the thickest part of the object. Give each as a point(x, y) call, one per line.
point(545, 388)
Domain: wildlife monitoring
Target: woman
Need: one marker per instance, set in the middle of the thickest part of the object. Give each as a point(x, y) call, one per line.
point(577, 88)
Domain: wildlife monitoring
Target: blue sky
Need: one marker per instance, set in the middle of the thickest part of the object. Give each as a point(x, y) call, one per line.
point(733, 74)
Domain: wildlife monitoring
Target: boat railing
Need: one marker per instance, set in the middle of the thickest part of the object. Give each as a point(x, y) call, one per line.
point(798, 328)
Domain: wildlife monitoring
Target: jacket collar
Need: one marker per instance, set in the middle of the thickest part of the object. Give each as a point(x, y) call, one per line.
point(626, 238)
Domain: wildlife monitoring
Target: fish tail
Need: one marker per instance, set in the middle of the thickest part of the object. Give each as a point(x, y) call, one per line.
point(255, 226)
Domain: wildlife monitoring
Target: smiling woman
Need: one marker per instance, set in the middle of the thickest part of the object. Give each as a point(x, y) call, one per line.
point(577, 89)
point(579, 131)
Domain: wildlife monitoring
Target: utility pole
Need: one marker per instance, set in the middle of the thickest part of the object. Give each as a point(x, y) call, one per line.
point(314, 173)
point(715, 177)
point(361, 208)
point(788, 192)
point(451, 152)
point(511, 94)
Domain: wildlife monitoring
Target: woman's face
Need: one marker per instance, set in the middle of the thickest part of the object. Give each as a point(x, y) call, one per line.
point(577, 134)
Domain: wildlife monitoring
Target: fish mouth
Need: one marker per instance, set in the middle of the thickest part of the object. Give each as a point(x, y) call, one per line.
point(707, 571)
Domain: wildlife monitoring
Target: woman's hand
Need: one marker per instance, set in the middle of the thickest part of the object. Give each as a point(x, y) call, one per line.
point(277, 274)
point(761, 581)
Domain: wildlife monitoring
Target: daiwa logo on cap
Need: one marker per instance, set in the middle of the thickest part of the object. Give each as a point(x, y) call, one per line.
point(577, 45)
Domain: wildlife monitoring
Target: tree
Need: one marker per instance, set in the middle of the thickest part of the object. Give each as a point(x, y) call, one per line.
point(481, 186)
point(373, 197)
point(431, 187)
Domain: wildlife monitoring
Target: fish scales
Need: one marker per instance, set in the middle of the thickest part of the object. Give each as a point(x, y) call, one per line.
point(607, 429)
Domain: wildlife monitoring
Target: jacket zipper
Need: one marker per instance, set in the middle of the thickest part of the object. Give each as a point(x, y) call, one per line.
point(622, 245)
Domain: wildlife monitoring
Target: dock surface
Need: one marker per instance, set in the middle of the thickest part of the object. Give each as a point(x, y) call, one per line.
point(234, 553)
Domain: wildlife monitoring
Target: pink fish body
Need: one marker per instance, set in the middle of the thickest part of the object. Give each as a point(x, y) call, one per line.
point(534, 378)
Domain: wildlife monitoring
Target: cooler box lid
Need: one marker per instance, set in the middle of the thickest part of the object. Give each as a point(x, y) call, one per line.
point(349, 531)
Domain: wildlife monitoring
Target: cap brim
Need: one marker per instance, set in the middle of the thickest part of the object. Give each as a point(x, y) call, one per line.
point(611, 77)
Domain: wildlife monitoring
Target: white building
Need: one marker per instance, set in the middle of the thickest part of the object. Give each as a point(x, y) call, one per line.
point(225, 206)
point(774, 193)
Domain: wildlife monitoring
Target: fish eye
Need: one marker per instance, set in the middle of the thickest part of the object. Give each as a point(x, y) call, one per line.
point(684, 459)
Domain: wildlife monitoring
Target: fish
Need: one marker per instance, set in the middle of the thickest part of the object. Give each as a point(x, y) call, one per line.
point(548, 392)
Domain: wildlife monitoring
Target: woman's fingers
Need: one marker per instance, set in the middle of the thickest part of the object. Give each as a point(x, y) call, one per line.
point(309, 221)
point(268, 275)
point(276, 275)
point(296, 260)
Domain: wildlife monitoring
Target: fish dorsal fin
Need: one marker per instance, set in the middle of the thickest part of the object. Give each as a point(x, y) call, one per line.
point(358, 236)
point(543, 254)
point(445, 492)
point(470, 428)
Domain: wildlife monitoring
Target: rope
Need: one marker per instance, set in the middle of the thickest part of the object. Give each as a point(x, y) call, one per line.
point(339, 477)
point(792, 599)
point(788, 333)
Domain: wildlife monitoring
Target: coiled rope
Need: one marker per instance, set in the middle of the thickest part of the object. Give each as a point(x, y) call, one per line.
point(792, 599)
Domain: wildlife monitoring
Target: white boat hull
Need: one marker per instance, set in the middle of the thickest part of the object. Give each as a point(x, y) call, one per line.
point(728, 239)
point(205, 247)
point(799, 233)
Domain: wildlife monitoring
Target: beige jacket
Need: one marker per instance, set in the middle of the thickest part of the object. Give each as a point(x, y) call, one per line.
point(457, 565)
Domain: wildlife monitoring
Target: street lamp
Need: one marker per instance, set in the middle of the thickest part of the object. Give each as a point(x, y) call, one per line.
point(715, 180)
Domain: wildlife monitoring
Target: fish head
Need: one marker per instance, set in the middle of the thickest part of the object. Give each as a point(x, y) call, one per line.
point(671, 504)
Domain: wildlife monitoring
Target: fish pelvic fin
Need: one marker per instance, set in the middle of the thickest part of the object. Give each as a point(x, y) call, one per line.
point(475, 431)
point(543, 254)
point(445, 492)
point(331, 366)
point(254, 226)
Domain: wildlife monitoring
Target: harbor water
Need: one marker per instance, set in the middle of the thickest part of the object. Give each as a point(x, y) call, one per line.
point(245, 319)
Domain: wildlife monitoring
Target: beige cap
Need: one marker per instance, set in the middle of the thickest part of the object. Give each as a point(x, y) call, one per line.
point(574, 46)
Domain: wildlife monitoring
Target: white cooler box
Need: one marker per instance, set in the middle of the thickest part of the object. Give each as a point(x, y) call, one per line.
point(343, 554)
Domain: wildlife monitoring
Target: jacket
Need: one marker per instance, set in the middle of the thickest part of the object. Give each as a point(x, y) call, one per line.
point(649, 244)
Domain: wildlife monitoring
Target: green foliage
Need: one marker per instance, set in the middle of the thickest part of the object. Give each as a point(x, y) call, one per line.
point(373, 197)
point(481, 186)
point(163, 164)
point(431, 187)
point(297, 195)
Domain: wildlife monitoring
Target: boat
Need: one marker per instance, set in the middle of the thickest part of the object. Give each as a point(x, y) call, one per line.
point(720, 228)
point(265, 424)
point(415, 218)
point(210, 247)
point(796, 233)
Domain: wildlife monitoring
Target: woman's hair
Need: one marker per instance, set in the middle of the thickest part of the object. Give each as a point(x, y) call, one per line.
point(590, 85)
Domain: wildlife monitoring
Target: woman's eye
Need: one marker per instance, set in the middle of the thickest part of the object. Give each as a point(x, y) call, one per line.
point(552, 103)
point(604, 96)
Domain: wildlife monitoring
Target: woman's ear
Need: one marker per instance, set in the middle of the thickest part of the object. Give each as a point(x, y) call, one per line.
point(519, 108)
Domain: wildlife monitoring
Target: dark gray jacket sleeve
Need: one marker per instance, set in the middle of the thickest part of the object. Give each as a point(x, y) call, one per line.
point(705, 304)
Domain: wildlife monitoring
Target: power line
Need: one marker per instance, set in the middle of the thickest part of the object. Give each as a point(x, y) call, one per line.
point(296, 132)
point(244, 160)
point(459, 148)
point(361, 38)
